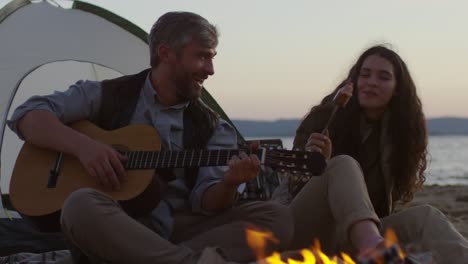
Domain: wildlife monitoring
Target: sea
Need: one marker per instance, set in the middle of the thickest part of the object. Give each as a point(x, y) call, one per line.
point(447, 159)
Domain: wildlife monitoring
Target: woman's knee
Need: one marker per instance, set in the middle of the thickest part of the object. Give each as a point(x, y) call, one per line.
point(424, 211)
point(343, 161)
point(343, 168)
point(415, 219)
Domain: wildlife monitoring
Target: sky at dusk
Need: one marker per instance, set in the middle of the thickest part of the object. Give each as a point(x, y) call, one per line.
point(278, 58)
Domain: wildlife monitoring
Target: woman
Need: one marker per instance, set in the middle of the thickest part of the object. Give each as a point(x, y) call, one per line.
point(376, 152)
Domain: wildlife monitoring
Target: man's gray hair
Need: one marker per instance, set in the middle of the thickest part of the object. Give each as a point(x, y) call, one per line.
point(176, 29)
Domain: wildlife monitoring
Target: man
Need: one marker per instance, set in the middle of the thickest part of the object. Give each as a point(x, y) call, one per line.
point(197, 209)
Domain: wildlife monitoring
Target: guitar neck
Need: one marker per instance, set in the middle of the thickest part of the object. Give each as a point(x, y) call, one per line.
point(184, 158)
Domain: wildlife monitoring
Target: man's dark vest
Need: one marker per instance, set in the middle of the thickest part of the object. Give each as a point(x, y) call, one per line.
point(119, 99)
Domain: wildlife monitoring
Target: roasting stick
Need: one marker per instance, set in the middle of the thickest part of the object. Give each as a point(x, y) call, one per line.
point(341, 98)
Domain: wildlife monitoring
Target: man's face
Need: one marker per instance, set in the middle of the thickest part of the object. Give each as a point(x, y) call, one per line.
point(190, 68)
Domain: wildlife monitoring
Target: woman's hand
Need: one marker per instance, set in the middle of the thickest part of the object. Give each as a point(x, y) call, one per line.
point(320, 143)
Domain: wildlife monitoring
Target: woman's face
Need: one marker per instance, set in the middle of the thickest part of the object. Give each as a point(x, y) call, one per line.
point(375, 86)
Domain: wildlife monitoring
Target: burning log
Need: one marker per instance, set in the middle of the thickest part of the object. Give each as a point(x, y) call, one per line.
point(391, 253)
point(388, 255)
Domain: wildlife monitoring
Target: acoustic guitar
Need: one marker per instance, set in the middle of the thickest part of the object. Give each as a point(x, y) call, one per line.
point(42, 179)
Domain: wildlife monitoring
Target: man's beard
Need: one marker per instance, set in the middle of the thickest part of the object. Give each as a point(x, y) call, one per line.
point(184, 85)
point(184, 92)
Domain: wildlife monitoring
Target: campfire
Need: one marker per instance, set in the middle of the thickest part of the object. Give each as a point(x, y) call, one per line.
point(391, 254)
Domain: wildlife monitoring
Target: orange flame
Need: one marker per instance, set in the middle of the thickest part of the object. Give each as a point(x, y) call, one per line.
point(391, 240)
point(258, 240)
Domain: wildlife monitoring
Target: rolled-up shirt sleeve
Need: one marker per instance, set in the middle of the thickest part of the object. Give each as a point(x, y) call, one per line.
point(80, 101)
point(224, 137)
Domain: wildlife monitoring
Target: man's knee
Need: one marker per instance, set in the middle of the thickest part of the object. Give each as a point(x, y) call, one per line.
point(81, 199)
point(276, 217)
point(282, 221)
point(272, 212)
point(82, 203)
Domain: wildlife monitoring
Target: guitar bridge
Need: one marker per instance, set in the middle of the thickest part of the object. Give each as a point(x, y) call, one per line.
point(54, 172)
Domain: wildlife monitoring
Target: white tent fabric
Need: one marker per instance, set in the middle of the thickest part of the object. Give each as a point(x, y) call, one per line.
point(36, 34)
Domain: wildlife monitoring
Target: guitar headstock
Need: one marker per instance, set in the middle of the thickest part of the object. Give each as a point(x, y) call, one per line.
point(294, 161)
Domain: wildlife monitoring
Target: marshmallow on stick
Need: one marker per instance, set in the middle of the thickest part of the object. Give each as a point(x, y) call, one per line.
point(341, 98)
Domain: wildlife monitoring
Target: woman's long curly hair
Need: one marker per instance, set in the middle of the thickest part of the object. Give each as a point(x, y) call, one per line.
point(407, 126)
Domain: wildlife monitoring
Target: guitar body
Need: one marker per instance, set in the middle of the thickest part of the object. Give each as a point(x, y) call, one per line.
point(31, 196)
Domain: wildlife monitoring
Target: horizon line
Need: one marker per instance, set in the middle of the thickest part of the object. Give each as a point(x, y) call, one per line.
point(298, 118)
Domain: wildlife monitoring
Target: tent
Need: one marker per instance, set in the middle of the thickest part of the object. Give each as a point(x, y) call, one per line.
point(46, 47)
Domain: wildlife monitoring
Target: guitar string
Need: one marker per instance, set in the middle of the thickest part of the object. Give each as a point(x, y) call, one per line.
point(203, 157)
point(208, 160)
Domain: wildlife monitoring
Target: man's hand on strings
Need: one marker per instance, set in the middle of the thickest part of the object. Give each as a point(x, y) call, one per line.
point(103, 163)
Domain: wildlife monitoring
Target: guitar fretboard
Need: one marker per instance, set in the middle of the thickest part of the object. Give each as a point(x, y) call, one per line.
point(182, 159)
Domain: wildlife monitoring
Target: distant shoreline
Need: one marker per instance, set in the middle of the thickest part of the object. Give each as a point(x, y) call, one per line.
point(447, 126)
